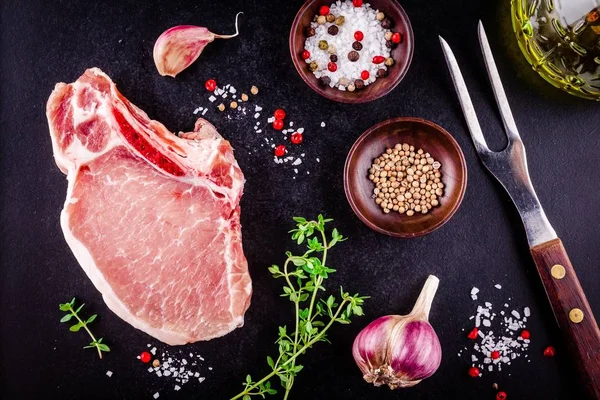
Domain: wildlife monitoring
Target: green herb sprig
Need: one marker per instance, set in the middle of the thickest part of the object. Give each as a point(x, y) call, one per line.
point(74, 313)
point(304, 276)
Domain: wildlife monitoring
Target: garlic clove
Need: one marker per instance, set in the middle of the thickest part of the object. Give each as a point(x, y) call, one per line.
point(178, 47)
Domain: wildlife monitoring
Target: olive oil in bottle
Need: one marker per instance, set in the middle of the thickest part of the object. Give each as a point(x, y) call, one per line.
point(561, 41)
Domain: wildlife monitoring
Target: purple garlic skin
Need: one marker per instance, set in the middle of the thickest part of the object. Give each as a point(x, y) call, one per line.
point(400, 350)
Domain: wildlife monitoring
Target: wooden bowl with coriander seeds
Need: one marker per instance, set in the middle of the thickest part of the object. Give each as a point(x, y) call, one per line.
point(401, 53)
point(421, 134)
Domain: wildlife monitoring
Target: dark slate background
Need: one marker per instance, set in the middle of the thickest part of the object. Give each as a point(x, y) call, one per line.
point(47, 42)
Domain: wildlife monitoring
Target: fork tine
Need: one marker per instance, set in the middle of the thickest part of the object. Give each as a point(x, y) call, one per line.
point(465, 99)
point(507, 117)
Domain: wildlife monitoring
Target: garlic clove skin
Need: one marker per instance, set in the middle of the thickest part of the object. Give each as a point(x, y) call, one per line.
point(178, 47)
point(370, 348)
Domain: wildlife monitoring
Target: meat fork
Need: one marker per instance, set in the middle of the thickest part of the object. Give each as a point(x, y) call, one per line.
point(569, 304)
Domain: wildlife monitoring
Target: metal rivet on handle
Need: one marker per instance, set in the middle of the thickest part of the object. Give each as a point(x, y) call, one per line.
point(558, 271)
point(576, 315)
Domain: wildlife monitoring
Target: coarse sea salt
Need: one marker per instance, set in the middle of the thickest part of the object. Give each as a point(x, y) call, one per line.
point(109, 373)
point(362, 19)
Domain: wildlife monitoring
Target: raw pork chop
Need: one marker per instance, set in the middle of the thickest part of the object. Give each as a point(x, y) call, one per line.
point(153, 218)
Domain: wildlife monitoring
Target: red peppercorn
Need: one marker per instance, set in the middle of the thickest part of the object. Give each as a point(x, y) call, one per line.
point(280, 150)
point(501, 396)
point(495, 355)
point(279, 114)
point(324, 10)
point(397, 37)
point(305, 55)
point(210, 85)
point(358, 35)
point(473, 334)
point(278, 124)
point(357, 3)
point(378, 59)
point(525, 334)
point(364, 75)
point(332, 66)
point(145, 357)
point(296, 138)
point(474, 372)
point(549, 351)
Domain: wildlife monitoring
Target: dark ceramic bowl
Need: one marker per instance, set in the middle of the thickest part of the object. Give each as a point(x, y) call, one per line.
point(421, 134)
point(402, 54)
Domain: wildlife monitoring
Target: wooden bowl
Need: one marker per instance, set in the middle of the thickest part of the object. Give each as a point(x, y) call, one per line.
point(421, 134)
point(402, 54)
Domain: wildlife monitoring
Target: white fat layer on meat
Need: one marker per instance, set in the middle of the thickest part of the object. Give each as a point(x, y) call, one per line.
point(198, 156)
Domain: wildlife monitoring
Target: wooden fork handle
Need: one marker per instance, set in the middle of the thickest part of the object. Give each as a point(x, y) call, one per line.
point(572, 312)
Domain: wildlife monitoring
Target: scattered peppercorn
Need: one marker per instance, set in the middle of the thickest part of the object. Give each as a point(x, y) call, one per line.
point(380, 16)
point(378, 59)
point(495, 355)
point(305, 55)
point(357, 46)
point(389, 61)
point(381, 73)
point(244, 97)
point(330, 17)
point(210, 85)
point(280, 151)
point(254, 90)
point(310, 31)
point(233, 104)
point(388, 35)
point(339, 21)
point(278, 124)
point(145, 357)
point(333, 58)
point(343, 81)
point(501, 396)
point(221, 107)
point(296, 138)
point(351, 87)
point(359, 84)
point(396, 37)
point(549, 351)
point(333, 30)
point(358, 35)
point(495, 386)
point(155, 363)
point(525, 334)
point(325, 80)
point(332, 67)
point(389, 44)
point(387, 23)
point(364, 75)
point(357, 3)
point(474, 372)
point(321, 20)
point(324, 10)
point(313, 66)
point(279, 114)
point(323, 44)
point(331, 49)
point(473, 334)
point(353, 56)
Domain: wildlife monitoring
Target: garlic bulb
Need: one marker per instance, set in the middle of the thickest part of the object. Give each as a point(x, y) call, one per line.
point(400, 350)
point(178, 47)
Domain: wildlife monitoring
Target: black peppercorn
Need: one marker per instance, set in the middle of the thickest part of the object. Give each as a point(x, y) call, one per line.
point(353, 56)
point(357, 46)
point(333, 30)
point(333, 58)
point(310, 31)
point(359, 84)
point(387, 23)
point(330, 17)
point(381, 73)
point(389, 44)
point(325, 80)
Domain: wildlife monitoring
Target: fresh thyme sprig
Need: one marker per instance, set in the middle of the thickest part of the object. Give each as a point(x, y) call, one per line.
point(304, 276)
point(74, 313)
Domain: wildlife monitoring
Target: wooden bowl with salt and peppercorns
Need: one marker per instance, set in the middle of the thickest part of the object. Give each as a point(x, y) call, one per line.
point(418, 133)
point(401, 53)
